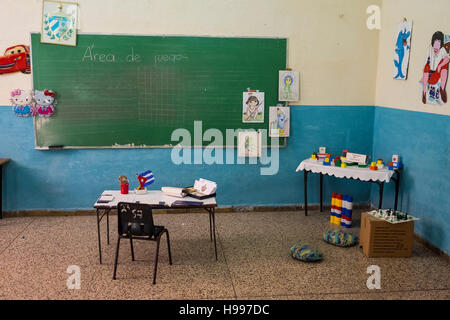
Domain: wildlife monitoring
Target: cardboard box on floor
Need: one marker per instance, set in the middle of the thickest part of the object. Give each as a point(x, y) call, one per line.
point(379, 238)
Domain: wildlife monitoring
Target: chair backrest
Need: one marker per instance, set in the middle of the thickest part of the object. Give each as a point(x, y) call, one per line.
point(135, 219)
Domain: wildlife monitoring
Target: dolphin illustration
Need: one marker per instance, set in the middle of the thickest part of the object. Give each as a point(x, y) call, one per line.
point(400, 50)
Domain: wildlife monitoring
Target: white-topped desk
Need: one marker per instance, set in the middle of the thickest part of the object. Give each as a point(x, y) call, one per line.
point(158, 200)
point(2, 162)
point(379, 177)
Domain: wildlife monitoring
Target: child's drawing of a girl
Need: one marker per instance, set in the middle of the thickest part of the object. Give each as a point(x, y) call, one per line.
point(252, 108)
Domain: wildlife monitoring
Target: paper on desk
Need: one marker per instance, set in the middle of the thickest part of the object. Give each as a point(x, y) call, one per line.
point(174, 192)
point(205, 187)
point(106, 198)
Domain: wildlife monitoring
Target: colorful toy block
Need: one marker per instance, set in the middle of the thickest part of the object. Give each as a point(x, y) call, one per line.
point(336, 208)
point(346, 213)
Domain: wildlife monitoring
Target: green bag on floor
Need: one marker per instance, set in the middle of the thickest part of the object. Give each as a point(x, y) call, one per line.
point(304, 252)
point(340, 238)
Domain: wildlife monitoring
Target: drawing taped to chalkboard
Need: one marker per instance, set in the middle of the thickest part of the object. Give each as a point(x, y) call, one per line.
point(288, 85)
point(253, 106)
point(279, 121)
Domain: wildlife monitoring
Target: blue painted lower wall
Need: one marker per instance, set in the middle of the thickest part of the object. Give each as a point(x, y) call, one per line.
point(73, 179)
point(423, 142)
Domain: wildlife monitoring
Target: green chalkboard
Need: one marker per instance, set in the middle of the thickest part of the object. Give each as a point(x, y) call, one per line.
point(134, 91)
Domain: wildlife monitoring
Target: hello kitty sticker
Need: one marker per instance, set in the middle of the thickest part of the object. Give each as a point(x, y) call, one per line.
point(45, 103)
point(25, 103)
point(22, 102)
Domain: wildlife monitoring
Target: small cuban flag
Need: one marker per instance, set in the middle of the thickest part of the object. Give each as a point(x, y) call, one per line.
point(145, 178)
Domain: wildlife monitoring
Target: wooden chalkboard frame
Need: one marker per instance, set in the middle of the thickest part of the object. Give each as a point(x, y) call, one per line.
point(282, 141)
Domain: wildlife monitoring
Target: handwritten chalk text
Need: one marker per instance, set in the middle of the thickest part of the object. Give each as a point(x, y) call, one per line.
point(92, 56)
point(163, 58)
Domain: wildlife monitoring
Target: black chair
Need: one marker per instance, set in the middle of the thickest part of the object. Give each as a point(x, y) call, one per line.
point(135, 222)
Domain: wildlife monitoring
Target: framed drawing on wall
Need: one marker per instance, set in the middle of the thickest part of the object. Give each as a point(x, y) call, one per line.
point(59, 22)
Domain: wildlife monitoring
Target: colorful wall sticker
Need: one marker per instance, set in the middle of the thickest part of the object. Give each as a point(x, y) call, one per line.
point(22, 102)
point(16, 58)
point(435, 72)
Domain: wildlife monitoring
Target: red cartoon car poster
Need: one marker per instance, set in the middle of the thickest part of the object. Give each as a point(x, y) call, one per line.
point(16, 58)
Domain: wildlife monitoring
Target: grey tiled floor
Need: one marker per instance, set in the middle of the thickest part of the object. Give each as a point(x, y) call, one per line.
point(253, 261)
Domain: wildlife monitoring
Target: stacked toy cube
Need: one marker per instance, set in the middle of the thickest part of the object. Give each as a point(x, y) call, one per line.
point(341, 210)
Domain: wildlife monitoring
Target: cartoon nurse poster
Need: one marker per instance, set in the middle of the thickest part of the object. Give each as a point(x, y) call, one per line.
point(288, 85)
point(402, 50)
point(253, 106)
point(435, 72)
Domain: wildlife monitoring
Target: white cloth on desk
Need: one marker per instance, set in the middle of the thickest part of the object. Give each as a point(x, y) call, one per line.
point(151, 197)
point(364, 174)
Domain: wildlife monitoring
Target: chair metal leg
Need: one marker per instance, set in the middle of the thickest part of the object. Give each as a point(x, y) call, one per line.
point(116, 259)
point(214, 231)
point(168, 247)
point(132, 249)
point(305, 185)
point(156, 259)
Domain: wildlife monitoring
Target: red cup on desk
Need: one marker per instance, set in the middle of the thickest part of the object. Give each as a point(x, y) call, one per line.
point(123, 188)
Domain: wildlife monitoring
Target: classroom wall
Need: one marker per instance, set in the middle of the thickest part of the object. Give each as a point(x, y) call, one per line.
point(427, 17)
point(329, 42)
point(422, 141)
point(73, 179)
point(419, 133)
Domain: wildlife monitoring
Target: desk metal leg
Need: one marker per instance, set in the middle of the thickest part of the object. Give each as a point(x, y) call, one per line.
point(214, 230)
point(380, 202)
point(321, 192)
point(107, 227)
point(98, 234)
point(305, 182)
point(397, 186)
point(1, 208)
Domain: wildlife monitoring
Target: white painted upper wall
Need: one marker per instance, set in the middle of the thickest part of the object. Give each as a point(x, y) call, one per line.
point(329, 43)
point(427, 17)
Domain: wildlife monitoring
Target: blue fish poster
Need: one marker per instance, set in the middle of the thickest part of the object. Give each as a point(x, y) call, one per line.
point(402, 50)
